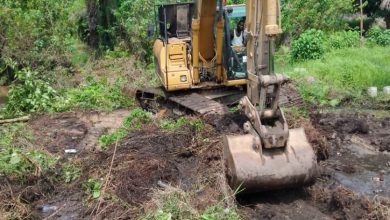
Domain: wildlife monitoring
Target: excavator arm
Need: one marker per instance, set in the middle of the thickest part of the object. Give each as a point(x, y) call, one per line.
point(270, 156)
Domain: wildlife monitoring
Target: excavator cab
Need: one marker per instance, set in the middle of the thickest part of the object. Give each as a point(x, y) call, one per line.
point(235, 59)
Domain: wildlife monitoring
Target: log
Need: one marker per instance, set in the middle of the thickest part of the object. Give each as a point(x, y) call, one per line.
point(14, 120)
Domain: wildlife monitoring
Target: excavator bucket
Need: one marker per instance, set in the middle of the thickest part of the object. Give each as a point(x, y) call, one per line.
point(257, 170)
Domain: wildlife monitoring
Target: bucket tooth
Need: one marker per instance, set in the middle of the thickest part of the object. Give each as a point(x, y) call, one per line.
point(269, 169)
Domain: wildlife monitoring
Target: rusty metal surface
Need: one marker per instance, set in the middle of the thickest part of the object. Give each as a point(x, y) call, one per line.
point(256, 170)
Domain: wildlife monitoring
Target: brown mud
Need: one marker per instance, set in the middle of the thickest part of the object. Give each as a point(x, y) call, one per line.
point(352, 151)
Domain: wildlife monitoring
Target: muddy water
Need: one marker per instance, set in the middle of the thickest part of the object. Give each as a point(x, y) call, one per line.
point(371, 171)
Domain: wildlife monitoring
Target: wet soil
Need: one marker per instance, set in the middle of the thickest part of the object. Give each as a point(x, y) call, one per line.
point(351, 149)
point(143, 160)
point(74, 130)
point(355, 176)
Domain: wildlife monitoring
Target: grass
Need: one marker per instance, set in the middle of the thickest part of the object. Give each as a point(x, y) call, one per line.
point(341, 75)
point(97, 95)
point(174, 203)
point(178, 123)
point(133, 121)
point(18, 158)
point(296, 116)
point(70, 172)
point(139, 117)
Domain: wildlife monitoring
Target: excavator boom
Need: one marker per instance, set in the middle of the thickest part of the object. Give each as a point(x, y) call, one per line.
point(270, 156)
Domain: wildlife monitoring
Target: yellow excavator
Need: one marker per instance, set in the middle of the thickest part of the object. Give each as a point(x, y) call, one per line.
point(198, 67)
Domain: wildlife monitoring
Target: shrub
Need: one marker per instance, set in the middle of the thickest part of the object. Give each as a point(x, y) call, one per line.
point(308, 46)
point(36, 33)
point(301, 15)
point(15, 162)
point(33, 94)
point(379, 36)
point(98, 94)
point(343, 39)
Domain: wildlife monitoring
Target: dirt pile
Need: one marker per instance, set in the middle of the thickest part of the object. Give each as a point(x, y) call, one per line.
point(343, 126)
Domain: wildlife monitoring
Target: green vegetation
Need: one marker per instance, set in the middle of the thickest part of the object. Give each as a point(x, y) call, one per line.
point(18, 160)
point(341, 74)
point(218, 212)
point(32, 95)
point(342, 39)
point(92, 188)
point(37, 34)
point(301, 15)
point(36, 95)
point(234, 109)
point(379, 36)
point(308, 46)
point(134, 121)
point(14, 135)
point(174, 203)
point(15, 162)
point(180, 122)
point(70, 172)
point(235, 2)
point(97, 94)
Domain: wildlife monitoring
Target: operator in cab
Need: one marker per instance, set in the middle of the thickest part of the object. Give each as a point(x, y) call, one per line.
point(237, 36)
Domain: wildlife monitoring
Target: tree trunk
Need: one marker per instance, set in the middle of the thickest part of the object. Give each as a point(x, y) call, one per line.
point(387, 20)
point(92, 12)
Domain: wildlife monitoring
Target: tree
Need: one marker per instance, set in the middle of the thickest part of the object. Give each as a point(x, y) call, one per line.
point(301, 15)
point(92, 14)
point(385, 6)
point(376, 8)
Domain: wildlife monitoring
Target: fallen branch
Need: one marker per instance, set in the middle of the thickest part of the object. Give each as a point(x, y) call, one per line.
point(14, 120)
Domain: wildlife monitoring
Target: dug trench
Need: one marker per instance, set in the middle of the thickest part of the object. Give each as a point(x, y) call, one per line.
point(351, 148)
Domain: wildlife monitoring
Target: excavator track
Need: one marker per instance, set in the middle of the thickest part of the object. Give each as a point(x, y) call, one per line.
point(201, 102)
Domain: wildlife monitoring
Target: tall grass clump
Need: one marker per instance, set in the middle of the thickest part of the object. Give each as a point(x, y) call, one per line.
point(342, 73)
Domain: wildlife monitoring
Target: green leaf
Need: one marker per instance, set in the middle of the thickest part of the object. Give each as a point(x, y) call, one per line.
point(96, 194)
point(15, 158)
point(334, 102)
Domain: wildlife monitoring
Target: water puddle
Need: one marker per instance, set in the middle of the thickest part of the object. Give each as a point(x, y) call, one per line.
point(372, 171)
point(366, 183)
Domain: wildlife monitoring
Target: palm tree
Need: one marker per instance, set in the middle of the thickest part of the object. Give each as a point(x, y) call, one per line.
point(385, 4)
